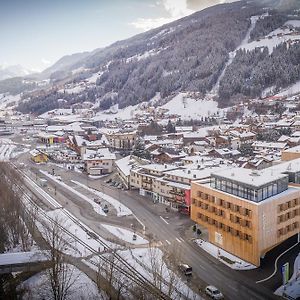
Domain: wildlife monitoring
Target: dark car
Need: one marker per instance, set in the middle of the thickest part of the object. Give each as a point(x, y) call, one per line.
point(105, 208)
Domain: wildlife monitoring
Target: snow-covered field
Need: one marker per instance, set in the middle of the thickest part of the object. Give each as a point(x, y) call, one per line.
point(121, 209)
point(125, 235)
point(189, 108)
point(291, 90)
point(38, 287)
point(115, 113)
point(75, 90)
point(8, 99)
point(274, 38)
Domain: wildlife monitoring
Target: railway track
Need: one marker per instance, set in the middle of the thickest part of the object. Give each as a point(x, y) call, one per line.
point(120, 264)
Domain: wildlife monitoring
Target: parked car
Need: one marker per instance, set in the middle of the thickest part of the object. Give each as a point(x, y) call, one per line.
point(96, 200)
point(213, 292)
point(185, 269)
point(105, 208)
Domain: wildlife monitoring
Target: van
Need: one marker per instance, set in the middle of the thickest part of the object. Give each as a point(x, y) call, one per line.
point(186, 269)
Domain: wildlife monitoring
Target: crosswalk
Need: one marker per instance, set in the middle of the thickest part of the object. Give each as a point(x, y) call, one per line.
point(169, 242)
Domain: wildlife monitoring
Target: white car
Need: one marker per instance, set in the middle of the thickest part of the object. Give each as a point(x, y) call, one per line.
point(213, 292)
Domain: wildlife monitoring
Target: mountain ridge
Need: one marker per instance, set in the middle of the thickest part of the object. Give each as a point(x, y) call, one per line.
point(187, 55)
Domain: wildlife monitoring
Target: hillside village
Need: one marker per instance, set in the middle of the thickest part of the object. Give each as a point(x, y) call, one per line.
point(163, 166)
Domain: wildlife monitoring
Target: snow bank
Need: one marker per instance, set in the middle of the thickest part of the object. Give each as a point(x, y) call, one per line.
point(121, 209)
point(125, 235)
point(237, 263)
point(97, 208)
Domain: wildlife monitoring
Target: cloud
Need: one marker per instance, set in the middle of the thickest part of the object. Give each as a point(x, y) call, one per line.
point(175, 9)
point(46, 61)
point(147, 24)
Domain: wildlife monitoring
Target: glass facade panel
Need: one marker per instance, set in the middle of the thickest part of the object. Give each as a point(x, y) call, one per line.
point(251, 193)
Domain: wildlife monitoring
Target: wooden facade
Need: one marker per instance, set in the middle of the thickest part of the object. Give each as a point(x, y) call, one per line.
point(244, 228)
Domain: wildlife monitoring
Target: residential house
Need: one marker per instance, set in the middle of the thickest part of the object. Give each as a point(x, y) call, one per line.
point(98, 162)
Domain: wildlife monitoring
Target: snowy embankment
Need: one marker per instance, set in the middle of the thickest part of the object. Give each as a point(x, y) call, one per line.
point(121, 209)
point(81, 286)
point(78, 229)
point(237, 263)
point(125, 235)
point(149, 262)
point(97, 208)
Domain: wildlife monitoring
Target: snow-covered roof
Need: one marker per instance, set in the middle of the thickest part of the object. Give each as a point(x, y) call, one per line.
point(261, 144)
point(256, 178)
point(159, 167)
point(125, 164)
point(100, 154)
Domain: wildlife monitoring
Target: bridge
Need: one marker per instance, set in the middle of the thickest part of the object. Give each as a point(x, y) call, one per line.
point(23, 261)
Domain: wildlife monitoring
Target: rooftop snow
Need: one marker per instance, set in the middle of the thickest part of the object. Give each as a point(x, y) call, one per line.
point(247, 176)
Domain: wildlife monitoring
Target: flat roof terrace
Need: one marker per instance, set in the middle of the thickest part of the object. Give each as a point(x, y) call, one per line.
point(250, 184)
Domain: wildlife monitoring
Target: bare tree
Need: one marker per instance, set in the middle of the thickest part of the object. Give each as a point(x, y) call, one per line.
point(117, 284)
point(60, 274)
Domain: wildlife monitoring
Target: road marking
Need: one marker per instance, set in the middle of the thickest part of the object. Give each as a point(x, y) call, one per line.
point(164, 220)
point(202, 267)
point(168, 242)
point(276, 261)
point(181, 239)
point(178, 240)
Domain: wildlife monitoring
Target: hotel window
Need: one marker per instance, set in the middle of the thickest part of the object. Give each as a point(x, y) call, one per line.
point(248, 224)
point(248, 212)
point(193, 201)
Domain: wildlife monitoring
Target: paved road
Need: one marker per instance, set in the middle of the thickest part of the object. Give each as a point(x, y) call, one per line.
point(234, 284)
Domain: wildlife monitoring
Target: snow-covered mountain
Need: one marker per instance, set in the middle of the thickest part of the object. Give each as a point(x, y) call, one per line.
point(224, 53)
point(13, 71)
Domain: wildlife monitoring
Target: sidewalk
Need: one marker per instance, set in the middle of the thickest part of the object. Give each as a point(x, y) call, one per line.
point(226, 258)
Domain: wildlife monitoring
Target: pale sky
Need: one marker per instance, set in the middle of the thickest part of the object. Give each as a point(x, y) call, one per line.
point(36, 33)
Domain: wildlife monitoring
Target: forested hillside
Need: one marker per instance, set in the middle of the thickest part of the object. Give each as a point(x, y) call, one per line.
point(187, 55)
